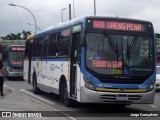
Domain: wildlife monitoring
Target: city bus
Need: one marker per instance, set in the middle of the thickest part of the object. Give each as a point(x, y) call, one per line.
point(13, 56)
point(94, 59)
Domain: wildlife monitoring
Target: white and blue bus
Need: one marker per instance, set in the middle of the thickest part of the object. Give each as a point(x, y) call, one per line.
point(13, 56)
point(94, 60)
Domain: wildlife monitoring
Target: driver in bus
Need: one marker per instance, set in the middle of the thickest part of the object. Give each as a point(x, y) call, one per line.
point(91, 51)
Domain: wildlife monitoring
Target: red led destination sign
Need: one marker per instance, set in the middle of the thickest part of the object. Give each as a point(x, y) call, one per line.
point(17, 49)
point(106, 64)
point(112, 25)
point(16, 63)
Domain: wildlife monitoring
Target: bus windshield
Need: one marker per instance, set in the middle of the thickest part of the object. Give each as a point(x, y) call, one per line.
point(16, 58)
point(119, 54)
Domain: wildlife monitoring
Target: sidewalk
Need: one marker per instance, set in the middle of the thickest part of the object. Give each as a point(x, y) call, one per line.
point(6, 91)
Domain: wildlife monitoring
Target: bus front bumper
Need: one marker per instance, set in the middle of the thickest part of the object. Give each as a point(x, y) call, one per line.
point(89, 96)
point(14, 74)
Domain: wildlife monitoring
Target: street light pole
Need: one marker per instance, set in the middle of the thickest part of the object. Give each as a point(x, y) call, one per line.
point(29, 12)
point(70, 12)
point(62, 13)
point(94, 7)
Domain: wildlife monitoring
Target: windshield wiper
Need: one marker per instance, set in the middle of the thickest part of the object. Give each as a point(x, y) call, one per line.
point(117, 51)
point(132, 45)
point(113, 46)
point(110, 41)
point(130, 48)
point(128, 53)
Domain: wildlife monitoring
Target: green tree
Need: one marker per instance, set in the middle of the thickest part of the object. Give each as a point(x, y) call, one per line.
point(19, 36)
point(25, 34)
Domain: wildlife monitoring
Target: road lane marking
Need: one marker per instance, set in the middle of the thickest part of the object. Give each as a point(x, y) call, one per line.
point(44, 104)
point(48, 106)
point(153, 106)
point(29, 93)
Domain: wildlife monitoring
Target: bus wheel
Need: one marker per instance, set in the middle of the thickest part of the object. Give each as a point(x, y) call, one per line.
point(35, 88)
point(67, 101)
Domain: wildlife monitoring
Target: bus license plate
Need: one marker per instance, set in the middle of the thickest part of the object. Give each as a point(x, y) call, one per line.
point(122, 98)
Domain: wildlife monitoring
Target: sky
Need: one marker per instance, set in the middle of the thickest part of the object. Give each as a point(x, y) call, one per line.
point(48, 12)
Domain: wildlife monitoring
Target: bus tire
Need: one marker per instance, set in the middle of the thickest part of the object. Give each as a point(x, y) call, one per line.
point(64, 95)
point(36, 90)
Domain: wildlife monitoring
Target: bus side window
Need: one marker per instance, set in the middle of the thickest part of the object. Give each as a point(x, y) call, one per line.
point(53, 44)
point(64, 42)
point(40, 45)
point(36, 47)
point(34, 51)
point(45, 46)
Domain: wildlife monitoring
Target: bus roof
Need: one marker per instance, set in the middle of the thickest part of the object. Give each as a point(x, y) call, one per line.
point(30, 37)
point(61, 26)
point(81, 20)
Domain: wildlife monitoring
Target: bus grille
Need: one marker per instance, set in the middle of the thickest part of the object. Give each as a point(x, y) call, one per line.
point(113, 98)
point(122, 81)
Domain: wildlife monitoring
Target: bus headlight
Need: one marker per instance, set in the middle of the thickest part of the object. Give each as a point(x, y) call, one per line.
point(88, 84)
point(10, 69)
point(151, 86)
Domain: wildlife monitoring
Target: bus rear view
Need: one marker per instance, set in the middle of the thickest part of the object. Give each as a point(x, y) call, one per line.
point(119, 57)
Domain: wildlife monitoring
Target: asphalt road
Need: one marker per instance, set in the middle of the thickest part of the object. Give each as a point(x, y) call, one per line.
point(50, 102)
point(16, 105)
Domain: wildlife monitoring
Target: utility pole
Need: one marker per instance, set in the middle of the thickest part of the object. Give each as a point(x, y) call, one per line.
point(94, 7)
point(62, 13)
point(73, 9)
point(70, 12)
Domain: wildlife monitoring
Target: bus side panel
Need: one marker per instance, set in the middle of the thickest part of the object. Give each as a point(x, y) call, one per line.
point(55, 74)
point(25, 69)
point(56, 70)
point(49, 72)
point(32, 70)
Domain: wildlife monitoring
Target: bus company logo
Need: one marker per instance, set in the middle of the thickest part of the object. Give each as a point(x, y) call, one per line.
point(6, 114)
point(53, 67)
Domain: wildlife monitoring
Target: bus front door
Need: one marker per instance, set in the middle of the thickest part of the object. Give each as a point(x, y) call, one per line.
point(74, 63)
